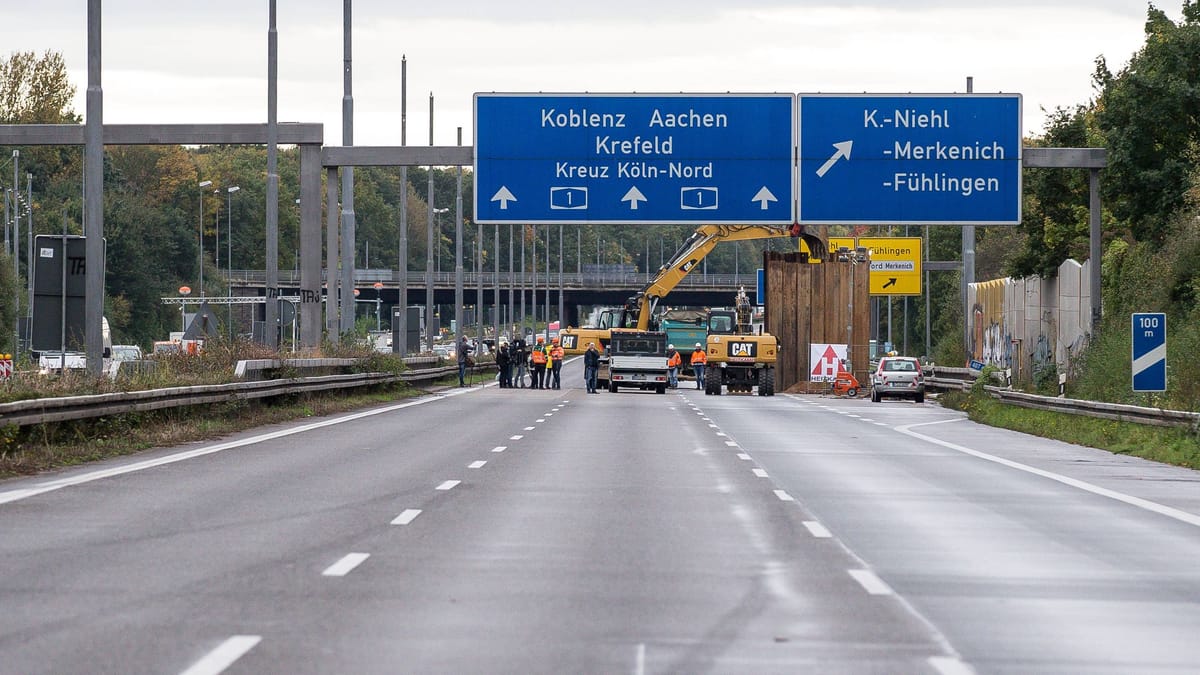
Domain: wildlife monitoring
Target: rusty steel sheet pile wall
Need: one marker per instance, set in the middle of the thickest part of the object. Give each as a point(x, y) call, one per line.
point(809, 304)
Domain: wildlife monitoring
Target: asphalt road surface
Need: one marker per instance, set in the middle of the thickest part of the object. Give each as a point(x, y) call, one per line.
point(517, 531)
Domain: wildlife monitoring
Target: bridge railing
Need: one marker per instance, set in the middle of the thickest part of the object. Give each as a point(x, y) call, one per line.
point(390, 278)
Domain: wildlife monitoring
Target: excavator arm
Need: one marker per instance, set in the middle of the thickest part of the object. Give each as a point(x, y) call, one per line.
point(700, 244)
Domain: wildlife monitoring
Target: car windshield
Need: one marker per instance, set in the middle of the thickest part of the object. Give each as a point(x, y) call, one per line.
point(126, 353)
point(899, 365)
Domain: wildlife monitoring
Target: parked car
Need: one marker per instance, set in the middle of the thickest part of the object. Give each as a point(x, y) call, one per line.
point(126, 353)
point(899, 377)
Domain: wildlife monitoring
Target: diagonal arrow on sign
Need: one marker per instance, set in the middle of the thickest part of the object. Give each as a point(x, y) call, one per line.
point(890, 282)
point(843, 150)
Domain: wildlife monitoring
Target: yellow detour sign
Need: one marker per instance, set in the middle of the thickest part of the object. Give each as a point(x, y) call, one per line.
point(895, 264)
point(835, 243)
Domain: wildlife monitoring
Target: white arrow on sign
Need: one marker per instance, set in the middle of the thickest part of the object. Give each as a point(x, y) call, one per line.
point(504, 197)
point(763, 196)
point(633, 197)
point(843, 150)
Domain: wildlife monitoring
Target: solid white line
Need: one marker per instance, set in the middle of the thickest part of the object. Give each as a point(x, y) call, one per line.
point(817, 530)
point(515, 438)
point(530, 428)
point(50, 486)
point(744, 457)
point(760, 473)
point(871, 582)
point(448, 485)
point(948, 665)
point(783, 496)
point(1153, 507)
point(406, 516)
point(343, 567)
point(500, 448)
point(476, 465)
point(224, 655)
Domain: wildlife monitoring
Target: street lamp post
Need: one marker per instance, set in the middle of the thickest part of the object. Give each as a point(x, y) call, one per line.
point(229, 248)
point(203, 184)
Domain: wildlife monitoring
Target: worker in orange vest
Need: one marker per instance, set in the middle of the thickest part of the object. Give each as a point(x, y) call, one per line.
point(699, 361)
point(673, 361)
point(537, 359)
point(556, 356)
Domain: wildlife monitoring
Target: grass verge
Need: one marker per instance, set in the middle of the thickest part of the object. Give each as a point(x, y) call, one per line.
point(38, 448)
point(1169, 445)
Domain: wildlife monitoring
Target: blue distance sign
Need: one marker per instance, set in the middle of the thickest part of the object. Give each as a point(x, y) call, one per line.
point(1149, 331)
point(634, 158)
point(910, 159)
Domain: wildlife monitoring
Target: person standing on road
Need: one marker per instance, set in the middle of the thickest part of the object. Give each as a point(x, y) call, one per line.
point(537, 359)
point(464, 360)
point(504, 364)
point(699, 361)
point(557, 353)
point(519, 355)
point(591, 365)
point(673, 361)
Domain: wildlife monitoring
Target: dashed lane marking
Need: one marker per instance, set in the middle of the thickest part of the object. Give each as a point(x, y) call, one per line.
point(500, 448)
point(449, 485)
point(784, 496)
point(515, 438)
point(406, 516)
point(224, 655)
point(476, 465)
point(871, 582)
point(817, 530)
point(344, 566)
point(760, 473)
point(744, 457)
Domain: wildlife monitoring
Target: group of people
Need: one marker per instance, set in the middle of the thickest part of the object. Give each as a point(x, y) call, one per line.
point(543, 363)
point(675, 362)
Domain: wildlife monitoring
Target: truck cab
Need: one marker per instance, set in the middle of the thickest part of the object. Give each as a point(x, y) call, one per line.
point(637, 358)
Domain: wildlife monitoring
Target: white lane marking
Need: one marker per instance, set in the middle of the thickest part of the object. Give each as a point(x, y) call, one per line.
point(871, 582)
point(50, 486)
point(1153, 507)
point(720, 433)
point(817, 530)
point(857, 416)
point(784, 496)
point(948, 665)
point(449, 485)
point(500, 448)
point(406, 516)
point(744, 457)
point(547, 415)
point(867, 419)
point(881, 424)
point(224, 655)
point(639, 660)
point(344, 566)
point(530, 428)
point(476, 465)
point(541, 419)
point(760, 473)
point(706, 419)
point(712, 426)
point(515, 438)
point(732, 444)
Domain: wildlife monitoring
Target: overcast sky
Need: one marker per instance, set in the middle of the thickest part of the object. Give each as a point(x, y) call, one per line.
point(172, 62)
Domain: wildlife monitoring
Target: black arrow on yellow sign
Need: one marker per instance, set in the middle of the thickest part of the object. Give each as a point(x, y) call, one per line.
point(891, 282)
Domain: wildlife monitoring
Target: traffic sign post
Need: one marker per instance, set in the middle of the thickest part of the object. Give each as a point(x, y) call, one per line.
point(895, 264)
point(909, 159)
point(1149, 332)
point(634, 158)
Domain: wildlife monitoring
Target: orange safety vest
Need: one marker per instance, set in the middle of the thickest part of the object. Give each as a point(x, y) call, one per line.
point(699, 357)
point(674, 361)
point(556, 352)
point(538, 355)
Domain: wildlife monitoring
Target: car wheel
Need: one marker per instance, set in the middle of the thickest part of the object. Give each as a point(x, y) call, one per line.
point(920, 398)
point(852, 392)
point(875, 397)
point(612, 387)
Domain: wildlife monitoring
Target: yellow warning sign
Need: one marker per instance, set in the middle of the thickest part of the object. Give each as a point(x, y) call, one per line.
point(895, 264)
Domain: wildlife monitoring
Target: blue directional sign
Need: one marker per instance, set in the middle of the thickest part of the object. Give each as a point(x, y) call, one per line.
point(1149, 351)
point(910, 159)
point(634, 158)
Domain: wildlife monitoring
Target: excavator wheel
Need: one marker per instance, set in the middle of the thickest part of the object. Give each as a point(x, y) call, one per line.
point(766, 382)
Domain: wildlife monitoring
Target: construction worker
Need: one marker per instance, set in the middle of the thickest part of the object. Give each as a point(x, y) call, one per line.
point(556, 353)
point(673, 361)
point(699, 360)
point(537, 359)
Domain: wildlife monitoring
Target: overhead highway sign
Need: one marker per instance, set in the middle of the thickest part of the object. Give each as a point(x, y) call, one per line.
point(917, 159)
point(634, 158)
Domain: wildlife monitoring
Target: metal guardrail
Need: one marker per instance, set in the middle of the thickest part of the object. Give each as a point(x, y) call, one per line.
point(961, 379)
point(65, 408)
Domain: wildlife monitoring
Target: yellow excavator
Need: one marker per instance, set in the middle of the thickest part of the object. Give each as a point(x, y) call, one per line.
point(638, 311)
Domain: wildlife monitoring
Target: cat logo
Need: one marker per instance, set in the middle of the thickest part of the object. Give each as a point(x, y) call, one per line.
point(687, 266)
point(743, 350)
point(568, 341)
